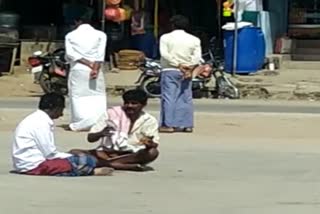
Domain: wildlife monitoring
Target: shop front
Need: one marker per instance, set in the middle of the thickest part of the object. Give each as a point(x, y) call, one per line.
point(154, 18)
point(44, 24)
point(304, 19)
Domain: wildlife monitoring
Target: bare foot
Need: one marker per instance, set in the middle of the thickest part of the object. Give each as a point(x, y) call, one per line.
point(103, 171)
point(144, 168)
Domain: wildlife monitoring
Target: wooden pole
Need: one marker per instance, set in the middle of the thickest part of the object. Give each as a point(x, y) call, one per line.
point(103, 19)
point(219, 7)
point(156, 19)
point(13, 59)
point(235, 44)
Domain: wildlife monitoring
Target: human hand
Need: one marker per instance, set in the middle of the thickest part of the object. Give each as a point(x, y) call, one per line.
point(94, 74)
point(107, 132)
point(186, 71)
point(148, 142)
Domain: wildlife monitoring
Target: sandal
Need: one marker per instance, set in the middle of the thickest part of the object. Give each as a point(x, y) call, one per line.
point(166, 130)
point(188, 130)
point(184, 130)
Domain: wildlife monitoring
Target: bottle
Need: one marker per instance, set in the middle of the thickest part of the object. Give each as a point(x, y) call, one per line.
point(227, 8)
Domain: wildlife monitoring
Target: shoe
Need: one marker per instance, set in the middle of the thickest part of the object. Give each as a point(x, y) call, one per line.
point(115, 70)
point(188, 130)
point(183, 130)
point(166, 130)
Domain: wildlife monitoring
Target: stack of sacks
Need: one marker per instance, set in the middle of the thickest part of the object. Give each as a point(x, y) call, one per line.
point(130, 59)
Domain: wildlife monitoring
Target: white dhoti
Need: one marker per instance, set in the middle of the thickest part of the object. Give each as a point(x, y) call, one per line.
point(87, 96)
point(87, 99)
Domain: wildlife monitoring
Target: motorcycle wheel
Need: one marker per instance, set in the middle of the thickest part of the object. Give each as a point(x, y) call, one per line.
point(226, 89)
point(48, 86)
point(232, 92)
point(197, 94)
point(45, 82)
point(152, 87)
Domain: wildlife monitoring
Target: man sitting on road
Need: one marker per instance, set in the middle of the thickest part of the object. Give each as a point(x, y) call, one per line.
point(129, 136)
point(34, 151)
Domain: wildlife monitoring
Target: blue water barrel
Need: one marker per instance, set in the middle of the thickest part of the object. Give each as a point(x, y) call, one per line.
point(251, 50)
point(261, 49)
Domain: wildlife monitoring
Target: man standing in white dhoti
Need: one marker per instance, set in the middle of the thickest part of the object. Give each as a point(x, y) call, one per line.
point(85, 50)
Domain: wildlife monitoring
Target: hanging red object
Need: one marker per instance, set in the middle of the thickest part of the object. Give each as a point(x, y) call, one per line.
point(112, 13)
point(116, 14)
point(113, 2)
point(122, 16)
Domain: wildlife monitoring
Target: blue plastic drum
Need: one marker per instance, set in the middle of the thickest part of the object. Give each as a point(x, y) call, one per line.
point(251, 50)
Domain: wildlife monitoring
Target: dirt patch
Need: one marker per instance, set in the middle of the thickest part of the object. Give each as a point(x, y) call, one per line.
point(19, 85)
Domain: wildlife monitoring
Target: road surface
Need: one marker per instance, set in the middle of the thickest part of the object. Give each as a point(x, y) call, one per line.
point(247, 165)
point(206, 106)
point(233, 164)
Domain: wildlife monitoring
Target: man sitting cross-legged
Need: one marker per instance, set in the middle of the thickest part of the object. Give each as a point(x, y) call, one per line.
point(34, 151)
point(128, 136)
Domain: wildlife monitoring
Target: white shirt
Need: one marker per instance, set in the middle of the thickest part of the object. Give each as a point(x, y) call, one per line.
point(179, 47)
point(34, 142)
point(85, 42)
point(145, 126)
point(249, 5)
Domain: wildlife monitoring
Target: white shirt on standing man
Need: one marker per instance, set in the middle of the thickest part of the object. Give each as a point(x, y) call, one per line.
point(179, 48)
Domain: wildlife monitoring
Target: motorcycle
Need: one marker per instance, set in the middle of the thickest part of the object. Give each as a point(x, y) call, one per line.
point(224, 87)
point(150, 78)
point(51, 71)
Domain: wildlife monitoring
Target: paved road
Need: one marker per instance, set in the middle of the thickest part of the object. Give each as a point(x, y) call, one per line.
point(195, 174)
point(206, 106)
point(265, 165)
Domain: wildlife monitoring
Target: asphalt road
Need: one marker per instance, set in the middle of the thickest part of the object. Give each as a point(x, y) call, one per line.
point(250, 165)
point(205, 106)
point(196, 173)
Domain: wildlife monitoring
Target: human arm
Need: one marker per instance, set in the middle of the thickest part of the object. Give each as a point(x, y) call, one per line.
point(96, 67)
point(44, 139)
point(100, 130)
point(73, 55)
point(150, 132)
point(148, 142)
point(86, 63)
point(106, 132)
point(95, 70)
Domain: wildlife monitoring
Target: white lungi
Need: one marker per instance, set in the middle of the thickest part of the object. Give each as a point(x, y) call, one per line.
point(87, 99)
point(87, 96)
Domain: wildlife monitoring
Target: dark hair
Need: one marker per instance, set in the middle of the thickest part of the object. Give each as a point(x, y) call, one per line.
point(135, 95)
point(51, 101)
point(180, 22)
point(82, 19)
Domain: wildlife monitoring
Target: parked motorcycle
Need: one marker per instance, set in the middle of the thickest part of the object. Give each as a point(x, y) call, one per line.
point(224, 87)
point(51, 71)
point(150, 78)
